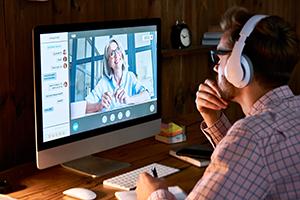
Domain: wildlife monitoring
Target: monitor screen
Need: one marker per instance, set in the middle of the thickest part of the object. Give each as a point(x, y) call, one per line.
point(96, 85)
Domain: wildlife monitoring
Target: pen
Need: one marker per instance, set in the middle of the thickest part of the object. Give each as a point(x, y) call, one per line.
point(154, 172)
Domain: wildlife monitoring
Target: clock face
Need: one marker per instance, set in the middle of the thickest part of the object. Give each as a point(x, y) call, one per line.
point(185, 37)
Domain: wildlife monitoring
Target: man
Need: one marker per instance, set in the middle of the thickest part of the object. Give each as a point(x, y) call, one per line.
point(258, 156)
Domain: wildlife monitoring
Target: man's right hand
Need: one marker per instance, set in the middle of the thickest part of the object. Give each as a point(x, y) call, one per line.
point(147, 184)
point(209, 102)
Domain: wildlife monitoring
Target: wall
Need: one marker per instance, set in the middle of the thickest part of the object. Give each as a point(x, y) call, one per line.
point(181, 74)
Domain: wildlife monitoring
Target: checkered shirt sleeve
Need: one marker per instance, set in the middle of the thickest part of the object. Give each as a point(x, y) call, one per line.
point(217, 131)
point(161, 195)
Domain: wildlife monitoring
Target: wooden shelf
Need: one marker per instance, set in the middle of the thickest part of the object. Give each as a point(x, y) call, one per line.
point(188, 51)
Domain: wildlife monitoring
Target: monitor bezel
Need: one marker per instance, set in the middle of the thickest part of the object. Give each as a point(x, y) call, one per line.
point(44, 29)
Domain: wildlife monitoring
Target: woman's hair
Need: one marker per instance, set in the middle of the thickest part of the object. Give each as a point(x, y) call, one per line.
point(272, 46)
point(107, 70)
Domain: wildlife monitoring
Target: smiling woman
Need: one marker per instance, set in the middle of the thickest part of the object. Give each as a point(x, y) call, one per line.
point(118, 86)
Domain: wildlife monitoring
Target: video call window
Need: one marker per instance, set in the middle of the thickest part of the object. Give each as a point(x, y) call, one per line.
point(86, 57)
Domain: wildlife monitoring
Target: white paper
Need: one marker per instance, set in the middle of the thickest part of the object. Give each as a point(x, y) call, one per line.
point(6, 197)
point(131, 195)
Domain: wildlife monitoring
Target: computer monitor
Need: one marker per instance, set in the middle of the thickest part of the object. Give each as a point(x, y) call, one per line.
point(85, 100)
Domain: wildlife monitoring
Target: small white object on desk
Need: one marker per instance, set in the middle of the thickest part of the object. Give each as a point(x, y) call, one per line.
point(6, 197)
point(131, 195)
point(80, 193)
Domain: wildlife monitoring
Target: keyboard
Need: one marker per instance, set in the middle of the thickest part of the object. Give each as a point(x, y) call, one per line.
point(127, 181)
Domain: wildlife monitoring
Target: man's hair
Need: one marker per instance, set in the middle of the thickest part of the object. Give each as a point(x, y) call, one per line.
point(272, 46)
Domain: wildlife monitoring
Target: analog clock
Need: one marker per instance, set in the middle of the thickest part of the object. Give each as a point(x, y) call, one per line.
point(180, 36)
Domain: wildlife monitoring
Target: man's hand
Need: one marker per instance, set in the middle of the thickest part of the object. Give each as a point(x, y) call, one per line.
point(209, 102)
point(146, 184)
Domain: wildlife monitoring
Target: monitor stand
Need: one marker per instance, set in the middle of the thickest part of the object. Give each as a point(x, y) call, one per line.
point(94, 166)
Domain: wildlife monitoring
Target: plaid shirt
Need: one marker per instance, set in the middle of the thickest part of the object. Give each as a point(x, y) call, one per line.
point(258, 157)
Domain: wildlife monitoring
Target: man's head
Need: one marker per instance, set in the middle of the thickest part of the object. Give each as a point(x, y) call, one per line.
point(272, 46)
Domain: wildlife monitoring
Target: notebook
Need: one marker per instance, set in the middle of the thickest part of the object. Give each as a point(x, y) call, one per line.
point(198, 162)
point(198, 155)
point(131, 195)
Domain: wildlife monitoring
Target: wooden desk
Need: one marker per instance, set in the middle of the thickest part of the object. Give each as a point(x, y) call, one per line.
point(50, 183)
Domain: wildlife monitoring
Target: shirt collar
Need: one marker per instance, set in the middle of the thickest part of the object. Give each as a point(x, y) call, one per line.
point(114, 83)
point(272, 98)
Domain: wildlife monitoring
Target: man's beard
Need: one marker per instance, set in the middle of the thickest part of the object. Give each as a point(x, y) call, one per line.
point(227, 90)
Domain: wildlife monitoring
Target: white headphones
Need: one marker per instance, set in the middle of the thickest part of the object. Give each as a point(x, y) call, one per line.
point(239, 70)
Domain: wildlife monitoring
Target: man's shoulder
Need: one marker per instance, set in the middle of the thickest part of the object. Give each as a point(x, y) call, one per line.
point(248, 122)
point(253, 126)
point(268, 123)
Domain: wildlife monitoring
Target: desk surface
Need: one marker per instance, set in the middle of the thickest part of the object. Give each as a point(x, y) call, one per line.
point(50, 183)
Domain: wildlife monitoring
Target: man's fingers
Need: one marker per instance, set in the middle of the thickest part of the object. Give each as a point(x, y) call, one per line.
point(206, 88)
point(205, 97)
point(212, 84)
point(144, 175)
point(211, 87)
point(205, 104)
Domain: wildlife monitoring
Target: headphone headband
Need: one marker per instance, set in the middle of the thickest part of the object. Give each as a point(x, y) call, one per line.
point(250, 24)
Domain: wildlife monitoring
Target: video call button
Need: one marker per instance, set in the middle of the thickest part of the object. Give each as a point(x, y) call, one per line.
point(75, 126)
point(112, 117)
point(152, 108)
point(104, 119)
point(127, 113)
point(120, 115)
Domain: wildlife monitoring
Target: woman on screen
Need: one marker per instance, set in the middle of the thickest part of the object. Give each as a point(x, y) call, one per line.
point(118, 86)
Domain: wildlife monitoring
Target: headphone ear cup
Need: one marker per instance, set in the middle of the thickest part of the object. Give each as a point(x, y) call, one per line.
point(233, 71)
point(247, 67)
point(239, 74)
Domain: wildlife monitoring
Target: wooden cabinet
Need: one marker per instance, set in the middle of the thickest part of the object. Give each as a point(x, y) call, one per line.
point(182, 72)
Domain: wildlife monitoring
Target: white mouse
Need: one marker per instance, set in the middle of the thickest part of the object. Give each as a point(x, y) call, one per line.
point(80, 193)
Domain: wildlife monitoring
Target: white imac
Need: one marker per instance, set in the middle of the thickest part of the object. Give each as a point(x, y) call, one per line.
point(84, 102)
